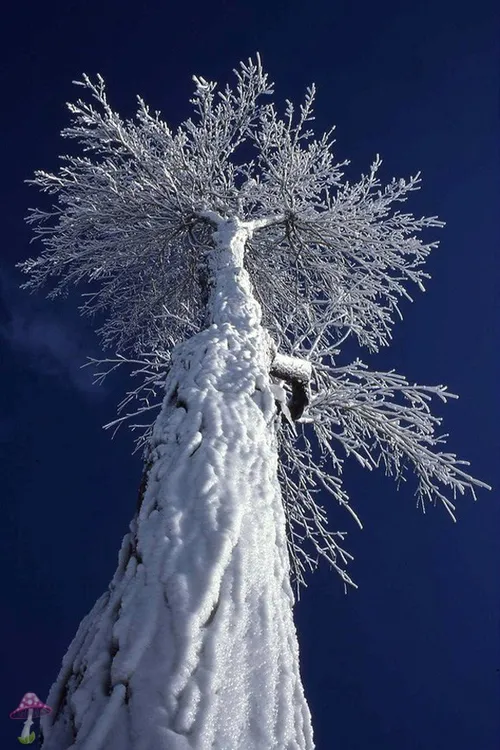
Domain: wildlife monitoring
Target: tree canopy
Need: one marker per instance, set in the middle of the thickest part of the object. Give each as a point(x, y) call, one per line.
point(328, 261)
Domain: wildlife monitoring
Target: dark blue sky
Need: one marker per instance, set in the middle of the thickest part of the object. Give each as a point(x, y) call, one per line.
point(411, 660)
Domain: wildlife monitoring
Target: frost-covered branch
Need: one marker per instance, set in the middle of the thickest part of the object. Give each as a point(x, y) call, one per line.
point(151, 370)
point(380, 417)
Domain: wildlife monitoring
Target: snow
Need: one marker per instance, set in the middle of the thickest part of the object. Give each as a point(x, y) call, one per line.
point(194, 646)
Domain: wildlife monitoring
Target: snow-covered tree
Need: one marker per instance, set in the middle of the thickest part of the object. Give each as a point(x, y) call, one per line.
point(228, 262)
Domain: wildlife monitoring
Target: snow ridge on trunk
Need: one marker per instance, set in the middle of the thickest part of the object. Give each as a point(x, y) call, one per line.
point(193, 647)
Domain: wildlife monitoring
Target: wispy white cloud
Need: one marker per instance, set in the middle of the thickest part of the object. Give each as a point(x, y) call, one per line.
point(53, 345)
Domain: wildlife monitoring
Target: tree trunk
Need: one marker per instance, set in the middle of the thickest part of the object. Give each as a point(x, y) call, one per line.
point(193, 647)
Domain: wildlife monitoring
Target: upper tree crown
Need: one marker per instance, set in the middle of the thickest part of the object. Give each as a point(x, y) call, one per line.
point(134, 220)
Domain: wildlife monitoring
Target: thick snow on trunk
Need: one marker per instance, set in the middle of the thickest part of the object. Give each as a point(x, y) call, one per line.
point(193, 647)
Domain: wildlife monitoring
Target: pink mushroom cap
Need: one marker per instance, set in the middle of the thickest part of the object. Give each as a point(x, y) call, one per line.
point(30, 702)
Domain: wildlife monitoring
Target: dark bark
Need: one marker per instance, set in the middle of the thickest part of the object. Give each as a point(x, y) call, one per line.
point(299, 398)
